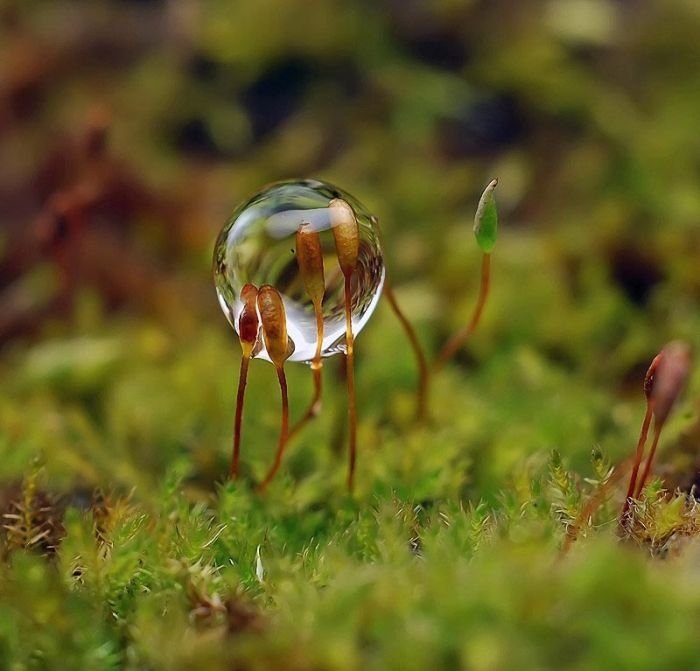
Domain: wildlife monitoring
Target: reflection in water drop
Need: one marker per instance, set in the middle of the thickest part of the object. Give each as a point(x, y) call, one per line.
point(257, 245)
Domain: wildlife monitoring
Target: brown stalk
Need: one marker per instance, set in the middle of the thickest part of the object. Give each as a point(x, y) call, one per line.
point(248, 328)
point(347, 244)
point(423, 369)
point(457, 340)
point(423, 390)
point(593, 503)
point(650, 459)
point(639, 453)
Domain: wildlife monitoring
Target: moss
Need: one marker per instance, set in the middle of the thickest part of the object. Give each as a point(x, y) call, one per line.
point(124, 547)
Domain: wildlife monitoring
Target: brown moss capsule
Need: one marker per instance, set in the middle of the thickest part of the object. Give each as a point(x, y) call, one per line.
point(663, 383)
point(346, 234)
point(670, 378)
point(274, 324)
point(274, 328)
point(310, 260)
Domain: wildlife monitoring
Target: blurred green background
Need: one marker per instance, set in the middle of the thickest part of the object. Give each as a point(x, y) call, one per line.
point(129, 131)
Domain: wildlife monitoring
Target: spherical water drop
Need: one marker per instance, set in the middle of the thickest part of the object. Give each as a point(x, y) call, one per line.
point(257, 245)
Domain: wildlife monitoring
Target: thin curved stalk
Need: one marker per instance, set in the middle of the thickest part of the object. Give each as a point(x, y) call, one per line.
point(650, 459)
point(457, 340)
point(314, 407)
point(240, 397)
point(284, 431)
point(639, 453)
point(423, 390)
point(352, 400)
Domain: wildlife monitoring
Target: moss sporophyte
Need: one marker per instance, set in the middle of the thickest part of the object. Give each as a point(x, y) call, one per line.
point(663, 383)
point(312, 303)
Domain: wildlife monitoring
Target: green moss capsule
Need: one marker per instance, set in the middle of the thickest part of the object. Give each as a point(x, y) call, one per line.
point(486, 219)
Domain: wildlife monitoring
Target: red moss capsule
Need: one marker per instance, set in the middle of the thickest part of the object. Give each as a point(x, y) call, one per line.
point(248, 321)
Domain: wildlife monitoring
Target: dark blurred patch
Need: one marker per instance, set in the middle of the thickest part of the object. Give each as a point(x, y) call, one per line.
point(25, 100)
point(632, 380)
point(281, 89)
point(139, 2)
point(431, 34)
point(94, 207)
point(571, 269)
point(560, 356)
point(269, 101)
point(464, 357)
point(203, 68)
point(484, 126)
point(682, 459)
point(584, 54)
point(635, 271)
point(441, 50)
point(276, 94)
point(194, 137)
point(9, 17)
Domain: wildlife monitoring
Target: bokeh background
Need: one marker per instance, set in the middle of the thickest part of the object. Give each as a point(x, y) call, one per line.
point(129, 130)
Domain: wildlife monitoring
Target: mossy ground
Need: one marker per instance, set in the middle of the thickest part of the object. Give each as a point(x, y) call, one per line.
point(123, 544)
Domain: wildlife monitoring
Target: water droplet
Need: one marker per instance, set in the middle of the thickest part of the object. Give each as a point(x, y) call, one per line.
point(254, 246)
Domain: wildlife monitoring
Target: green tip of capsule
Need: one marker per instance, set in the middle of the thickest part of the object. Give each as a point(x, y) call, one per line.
point(486, 219)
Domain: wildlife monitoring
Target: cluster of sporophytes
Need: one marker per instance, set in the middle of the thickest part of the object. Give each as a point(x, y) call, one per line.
point(259, 316)
point(414, 576)
point(303, 212)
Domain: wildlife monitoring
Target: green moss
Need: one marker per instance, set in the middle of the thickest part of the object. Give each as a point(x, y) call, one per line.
point(122, 544)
